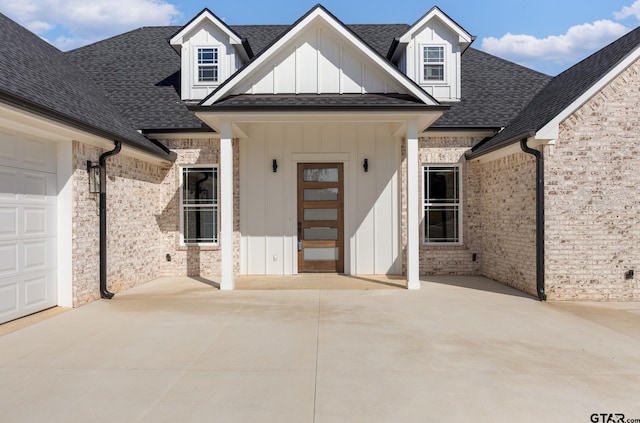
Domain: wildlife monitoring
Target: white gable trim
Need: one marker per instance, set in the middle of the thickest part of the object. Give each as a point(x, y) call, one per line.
point(464, 38)
point(179, 39)
point(319, 13)
point(551, 130)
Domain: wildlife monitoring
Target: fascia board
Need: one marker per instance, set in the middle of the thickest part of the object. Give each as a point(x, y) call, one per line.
point(225, 88)
point(178, 39)
point(551, 130)
point(507, 150)
point(463, 36)
point(214, 119)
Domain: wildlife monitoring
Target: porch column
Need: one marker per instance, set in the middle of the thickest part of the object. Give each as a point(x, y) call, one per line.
point(226, 206)
point(413, 227)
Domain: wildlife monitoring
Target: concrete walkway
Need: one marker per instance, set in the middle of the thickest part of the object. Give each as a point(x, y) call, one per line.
point(460, 349)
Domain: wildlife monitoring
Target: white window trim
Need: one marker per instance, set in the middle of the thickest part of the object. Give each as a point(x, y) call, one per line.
point(445, 65)
point(181, 209)
point(196, 66)
point(460, 206)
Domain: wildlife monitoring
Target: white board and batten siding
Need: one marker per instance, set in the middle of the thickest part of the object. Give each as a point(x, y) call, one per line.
point(319, 61)
point(206, 35)
point(435, 33)
point(268, 216)
point(28, 226)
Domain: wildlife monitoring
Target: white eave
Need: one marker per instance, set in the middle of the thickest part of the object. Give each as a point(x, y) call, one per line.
point(318, 12)
point(20, 121)
point(399, 119)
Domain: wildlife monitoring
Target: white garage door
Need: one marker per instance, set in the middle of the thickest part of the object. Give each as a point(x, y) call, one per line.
point(27, 226)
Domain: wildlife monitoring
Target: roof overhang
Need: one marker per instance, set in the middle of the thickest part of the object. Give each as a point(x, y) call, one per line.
point(19, 120)
point(499, 150)
point(550, 132)
point(239, 120)
point(437, 131)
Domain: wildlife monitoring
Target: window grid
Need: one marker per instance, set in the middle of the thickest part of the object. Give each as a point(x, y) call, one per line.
point(199, 204)
point(433, 63)
point(442, 205)
point(208, 64)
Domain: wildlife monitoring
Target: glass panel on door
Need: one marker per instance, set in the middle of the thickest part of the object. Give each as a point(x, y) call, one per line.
point(320, 214)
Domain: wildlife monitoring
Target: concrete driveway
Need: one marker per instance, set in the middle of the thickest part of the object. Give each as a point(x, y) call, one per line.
point(460, 349)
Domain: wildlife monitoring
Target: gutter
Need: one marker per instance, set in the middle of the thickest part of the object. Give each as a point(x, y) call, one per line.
point(104, 292)
point(474, 153)
point(539, 217)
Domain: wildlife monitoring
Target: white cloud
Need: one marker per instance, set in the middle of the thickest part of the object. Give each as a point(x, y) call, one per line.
point(77, 22)
point(565, 49)
point(633, 10)
point(39, 27)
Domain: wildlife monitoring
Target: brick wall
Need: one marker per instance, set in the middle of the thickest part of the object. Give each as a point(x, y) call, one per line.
point(143, 221)
point(592, 197)
point(505, 212)
point(190, 260)
point(443, 259)
point(133, 188)
point(455, 259)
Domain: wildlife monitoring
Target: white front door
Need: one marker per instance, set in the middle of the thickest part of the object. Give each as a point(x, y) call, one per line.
point(28, 197)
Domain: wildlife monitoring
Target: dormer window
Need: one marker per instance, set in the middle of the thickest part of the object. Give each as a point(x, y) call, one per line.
point(433, 63)
point(208, 64)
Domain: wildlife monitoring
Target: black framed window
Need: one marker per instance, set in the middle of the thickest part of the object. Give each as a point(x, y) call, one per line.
point(199, 204)
point(441, 204)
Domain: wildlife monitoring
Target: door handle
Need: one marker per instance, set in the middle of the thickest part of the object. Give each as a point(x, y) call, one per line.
point(299, 228)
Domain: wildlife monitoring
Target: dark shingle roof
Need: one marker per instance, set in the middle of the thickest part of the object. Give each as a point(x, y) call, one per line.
point(39, 77)
point(139, 72)
point(379, 37)
point(563, 90)
point(493, 91)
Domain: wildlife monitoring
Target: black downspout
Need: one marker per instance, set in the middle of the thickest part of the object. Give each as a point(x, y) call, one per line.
point(104, 292)
point(539, 218)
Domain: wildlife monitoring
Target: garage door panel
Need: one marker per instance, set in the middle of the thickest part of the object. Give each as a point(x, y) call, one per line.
point(35, 221)
point(8, 222)
point(25, 295)
point(8, 301)
point(34, 186)
point(35, 256)
point(8, 149)
point(37, 155)
point(8, 184)
point(9, 260)
point(28, 226)
point(26, 153)
point(35, 292)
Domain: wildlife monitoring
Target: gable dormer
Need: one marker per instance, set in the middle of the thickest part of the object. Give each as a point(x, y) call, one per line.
point(210, 52)
point(429, 53)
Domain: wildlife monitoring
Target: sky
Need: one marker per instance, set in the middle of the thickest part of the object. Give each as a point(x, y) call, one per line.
point(546, 35)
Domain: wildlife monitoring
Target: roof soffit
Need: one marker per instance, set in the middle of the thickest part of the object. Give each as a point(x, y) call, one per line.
point(318, 16)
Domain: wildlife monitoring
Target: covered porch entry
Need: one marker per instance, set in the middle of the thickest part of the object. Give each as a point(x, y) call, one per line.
point(378, 230)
